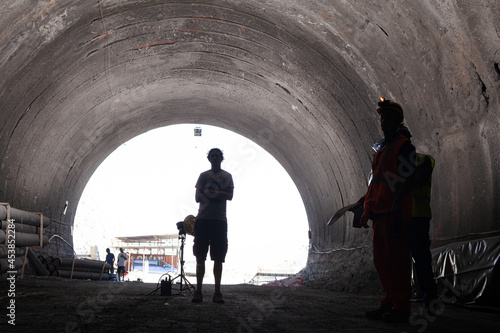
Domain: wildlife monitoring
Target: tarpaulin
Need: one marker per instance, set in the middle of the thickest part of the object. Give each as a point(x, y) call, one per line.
point(468, 272)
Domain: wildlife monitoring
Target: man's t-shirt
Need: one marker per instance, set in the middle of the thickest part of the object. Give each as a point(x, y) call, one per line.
point(110, 257)
point(122, 259)
point(220, 181)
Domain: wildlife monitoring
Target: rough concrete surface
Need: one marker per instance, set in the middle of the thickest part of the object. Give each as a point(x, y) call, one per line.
point(299, 78)
point(63, 305)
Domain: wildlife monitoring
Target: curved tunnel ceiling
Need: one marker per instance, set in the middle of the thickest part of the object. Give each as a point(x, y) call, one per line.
point(299, 78)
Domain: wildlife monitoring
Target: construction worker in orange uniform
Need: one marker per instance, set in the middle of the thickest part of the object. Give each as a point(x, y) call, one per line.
point(388, 204)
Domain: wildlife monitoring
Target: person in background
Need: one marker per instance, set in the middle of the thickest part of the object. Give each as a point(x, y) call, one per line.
point(418, 228)
point(122, 261)
point(110, 259)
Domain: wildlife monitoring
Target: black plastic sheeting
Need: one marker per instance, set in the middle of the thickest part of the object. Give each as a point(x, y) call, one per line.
point(468, 272)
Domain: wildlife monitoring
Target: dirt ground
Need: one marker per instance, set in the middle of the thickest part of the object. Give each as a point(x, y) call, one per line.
point(63, 305)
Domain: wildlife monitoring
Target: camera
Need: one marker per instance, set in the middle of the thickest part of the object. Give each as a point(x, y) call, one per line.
point(180, 227)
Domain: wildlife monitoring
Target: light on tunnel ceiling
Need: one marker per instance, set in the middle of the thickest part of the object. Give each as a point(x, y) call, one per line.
point(65, 208)
point(197, 131)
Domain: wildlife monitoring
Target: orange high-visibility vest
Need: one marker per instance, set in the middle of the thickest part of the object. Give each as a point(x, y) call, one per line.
point(382, 189)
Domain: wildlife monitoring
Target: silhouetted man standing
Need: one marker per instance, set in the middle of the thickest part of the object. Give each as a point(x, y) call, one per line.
point(213, 188)
point(388, 204)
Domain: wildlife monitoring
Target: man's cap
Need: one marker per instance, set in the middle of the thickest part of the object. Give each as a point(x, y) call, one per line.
point(121, 248)
point(107, 249)
point(387, 104)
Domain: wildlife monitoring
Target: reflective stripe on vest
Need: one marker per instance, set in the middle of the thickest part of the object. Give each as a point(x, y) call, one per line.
point(381, 191)
point(421, 196)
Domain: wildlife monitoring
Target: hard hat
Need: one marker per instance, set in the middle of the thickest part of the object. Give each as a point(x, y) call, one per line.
point(387, 104)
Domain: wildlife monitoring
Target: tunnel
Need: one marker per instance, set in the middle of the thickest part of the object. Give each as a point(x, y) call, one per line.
point(299, 78)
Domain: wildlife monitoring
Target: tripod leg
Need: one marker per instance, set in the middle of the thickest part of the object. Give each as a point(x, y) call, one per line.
point(188, 286)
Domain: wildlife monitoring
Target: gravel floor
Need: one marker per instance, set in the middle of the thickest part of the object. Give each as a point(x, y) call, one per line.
point(62, 305)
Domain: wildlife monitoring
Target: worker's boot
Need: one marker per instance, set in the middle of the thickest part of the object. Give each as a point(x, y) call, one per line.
point(378, 313)
point(396, 316)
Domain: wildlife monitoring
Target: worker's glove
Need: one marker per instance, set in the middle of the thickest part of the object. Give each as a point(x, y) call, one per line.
point(356, 223)
point(360, 221)
point(364, 221)
point(358, 215)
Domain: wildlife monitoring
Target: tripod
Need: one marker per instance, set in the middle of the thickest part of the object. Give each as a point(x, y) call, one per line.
point(181, 276)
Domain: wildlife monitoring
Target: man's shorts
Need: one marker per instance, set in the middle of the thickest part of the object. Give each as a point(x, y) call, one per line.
point(213, 234)
point(121, 269)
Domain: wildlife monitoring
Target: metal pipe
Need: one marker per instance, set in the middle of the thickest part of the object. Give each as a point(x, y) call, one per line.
point(36, 264)
point(5, 264)
point(51, 268)
point(26, 228)
point(53, 236)
point(24, 239)
point(80, 264)
point(22, 216)
point(80, 275)
point(4, 251)
point(4, 276)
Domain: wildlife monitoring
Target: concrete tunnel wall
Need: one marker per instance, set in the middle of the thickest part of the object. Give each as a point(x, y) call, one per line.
point(300, 78)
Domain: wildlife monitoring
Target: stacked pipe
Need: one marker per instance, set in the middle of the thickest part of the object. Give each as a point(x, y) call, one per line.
point(24, 231)
point(76, 268)
point(5, 263)
point(27, 227)
point(4, 276)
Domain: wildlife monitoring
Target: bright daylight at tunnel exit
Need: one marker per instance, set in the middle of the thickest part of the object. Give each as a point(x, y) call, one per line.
point(139, 193)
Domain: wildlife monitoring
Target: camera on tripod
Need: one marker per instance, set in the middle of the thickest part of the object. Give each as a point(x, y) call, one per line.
point(180, 227)
point(186, 226)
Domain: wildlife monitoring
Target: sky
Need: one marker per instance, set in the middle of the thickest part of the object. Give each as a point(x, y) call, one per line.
point(147, 185)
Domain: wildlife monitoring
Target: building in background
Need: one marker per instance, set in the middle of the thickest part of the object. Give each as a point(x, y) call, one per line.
point(153, 247)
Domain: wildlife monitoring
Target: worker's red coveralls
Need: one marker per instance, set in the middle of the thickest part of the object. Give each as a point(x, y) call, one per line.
point(391, 166)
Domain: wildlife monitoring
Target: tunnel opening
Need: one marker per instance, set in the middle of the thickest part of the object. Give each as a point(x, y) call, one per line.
point(147, 185)
point(82, 79)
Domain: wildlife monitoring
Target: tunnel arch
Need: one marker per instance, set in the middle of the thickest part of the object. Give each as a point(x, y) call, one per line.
point(299, 79)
